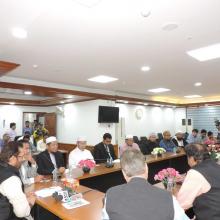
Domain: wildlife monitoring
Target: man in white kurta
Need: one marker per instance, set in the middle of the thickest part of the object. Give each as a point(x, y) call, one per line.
point(79, 153)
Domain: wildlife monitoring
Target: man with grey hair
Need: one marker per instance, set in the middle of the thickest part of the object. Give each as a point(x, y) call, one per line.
point(138, 199)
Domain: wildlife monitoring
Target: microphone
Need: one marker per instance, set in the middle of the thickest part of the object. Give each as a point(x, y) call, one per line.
point(61, 195)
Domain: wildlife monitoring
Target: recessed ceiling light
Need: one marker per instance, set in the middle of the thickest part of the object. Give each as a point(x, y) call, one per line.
point(35, 66)
point(158, 90)
point(69, 97)
point(146, 104)
point(205, 53)
point(146, 13)
point(192, 96)
point(11, 103)
point(19, 33)
point(197, 84)
point(27, 92)
point(169, 26)
point(62, 102)
point(123, 101)
point(145, 68)
point(102, 79)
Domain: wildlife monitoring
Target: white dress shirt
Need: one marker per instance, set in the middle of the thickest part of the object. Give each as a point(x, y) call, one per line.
point(27, 173)
point(53, 159)
point(76, 155)
point(11, 188)
point(41, 146)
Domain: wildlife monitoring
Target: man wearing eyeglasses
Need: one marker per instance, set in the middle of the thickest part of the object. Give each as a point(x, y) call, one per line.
point(28, 169)
point(104, 150)
point(13, 201)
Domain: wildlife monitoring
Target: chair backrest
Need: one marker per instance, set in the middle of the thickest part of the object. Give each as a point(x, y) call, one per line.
point(136, 140)
point(160, 136)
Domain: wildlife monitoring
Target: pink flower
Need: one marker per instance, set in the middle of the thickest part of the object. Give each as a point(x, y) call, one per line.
point(164, 174)
point(86, 163)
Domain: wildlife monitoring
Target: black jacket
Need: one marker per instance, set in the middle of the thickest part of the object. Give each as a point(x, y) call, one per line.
point(101, 154)
point(6, 209)
point(148, 146)
point(45, 165)
point(176, 143)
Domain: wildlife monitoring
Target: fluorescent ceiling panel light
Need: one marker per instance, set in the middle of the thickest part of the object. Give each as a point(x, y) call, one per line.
point(192, 96)
point(205, 53)
point(27, 92)
point(102, 79)
point(158, 90)
point(19, 33)
point(145, 68)
point(197, 84)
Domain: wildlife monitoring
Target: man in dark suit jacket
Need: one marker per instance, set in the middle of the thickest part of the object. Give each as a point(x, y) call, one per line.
point(104, 149)
point(137, 199)
point(50, 159)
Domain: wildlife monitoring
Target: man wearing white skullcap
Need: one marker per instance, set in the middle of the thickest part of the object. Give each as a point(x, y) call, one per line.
point(79, 153)
point(129, 144)
point(51, 158)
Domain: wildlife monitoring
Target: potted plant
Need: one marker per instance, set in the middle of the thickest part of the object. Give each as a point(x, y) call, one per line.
point(158, 151)
point(166, 176)
point(86, 165)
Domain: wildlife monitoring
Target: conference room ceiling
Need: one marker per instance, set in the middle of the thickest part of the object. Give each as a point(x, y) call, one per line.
point(70, 41)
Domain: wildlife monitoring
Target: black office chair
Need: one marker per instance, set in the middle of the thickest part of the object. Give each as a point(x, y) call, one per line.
point(143, 140)
point(136, 140)
point(160, 136)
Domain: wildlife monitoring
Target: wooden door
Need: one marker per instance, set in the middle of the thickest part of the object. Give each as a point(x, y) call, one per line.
point(50, 123)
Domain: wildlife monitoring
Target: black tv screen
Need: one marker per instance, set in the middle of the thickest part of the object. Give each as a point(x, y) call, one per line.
point(108, 114)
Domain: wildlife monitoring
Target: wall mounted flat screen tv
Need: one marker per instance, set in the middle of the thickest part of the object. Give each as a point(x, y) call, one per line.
point(108, 114)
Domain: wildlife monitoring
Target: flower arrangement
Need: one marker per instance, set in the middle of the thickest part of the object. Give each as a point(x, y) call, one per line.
point(167, 174)
point(86, 165)
point(70, 184)
point(158, 150)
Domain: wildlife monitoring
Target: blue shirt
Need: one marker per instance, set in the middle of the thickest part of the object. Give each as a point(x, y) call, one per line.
point(1, 144)
point(30, 130)
point(192, 140)
point(167, 145)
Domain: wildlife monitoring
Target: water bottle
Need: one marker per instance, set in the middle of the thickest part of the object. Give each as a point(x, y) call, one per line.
point(170, 184)
point(55, 176)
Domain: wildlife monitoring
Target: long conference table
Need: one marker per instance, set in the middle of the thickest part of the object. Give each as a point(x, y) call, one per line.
point(100, 179)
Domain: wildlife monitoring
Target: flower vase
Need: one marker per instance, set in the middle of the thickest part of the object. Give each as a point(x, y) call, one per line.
point(165, 185)
point(159, 155)
point(86, 169)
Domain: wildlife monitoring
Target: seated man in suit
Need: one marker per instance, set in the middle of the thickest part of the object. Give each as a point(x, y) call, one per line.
point(50, 159)
point(138, 199)
point(179, 140)
point(28, 169)
point(201, 187)
point(104, 150)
